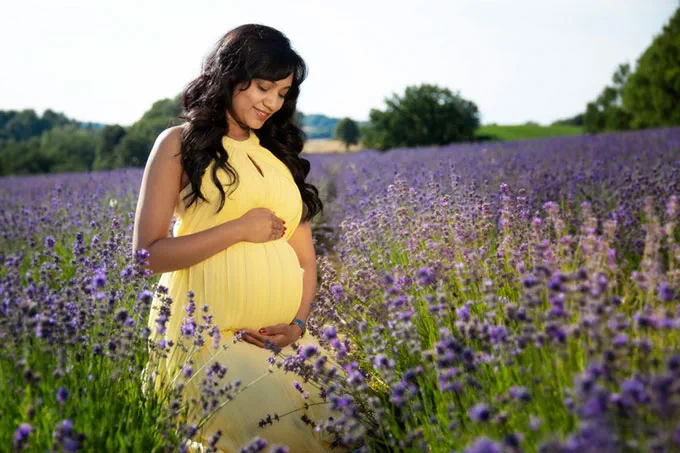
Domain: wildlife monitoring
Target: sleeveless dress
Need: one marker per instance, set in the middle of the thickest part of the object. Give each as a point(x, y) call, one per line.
point(247, 285)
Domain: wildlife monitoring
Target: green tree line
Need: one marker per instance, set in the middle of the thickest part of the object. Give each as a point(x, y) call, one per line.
point(647, 97)
point(53, 143)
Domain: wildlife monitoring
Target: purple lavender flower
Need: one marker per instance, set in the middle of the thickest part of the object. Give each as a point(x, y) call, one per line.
point(621, 339)
point(188, 327)
point(329, 333)
point(254, 446)
point(634, 389)
point(463, 313)
point(65, 436)
point(49, 242)
point(484, 445)
point(145, 296)
point(666, 293)
point(62, 394)
point(21, 434)
point(479, 412)
point(99, 278)
point(425, 276)
point(398, 393)
point(519, 393)
point(308, 351)
point(381, 361)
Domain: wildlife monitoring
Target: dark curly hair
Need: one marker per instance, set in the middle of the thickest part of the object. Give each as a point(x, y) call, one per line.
point(250, 51)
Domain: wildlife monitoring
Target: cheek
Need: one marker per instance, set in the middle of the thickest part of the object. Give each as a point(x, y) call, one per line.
point(258, 98)
point(243, 103)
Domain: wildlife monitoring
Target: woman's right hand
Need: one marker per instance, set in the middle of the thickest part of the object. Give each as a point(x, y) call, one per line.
point(261, 225)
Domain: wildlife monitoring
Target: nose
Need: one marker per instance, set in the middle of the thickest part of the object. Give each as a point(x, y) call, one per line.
point(270, 101)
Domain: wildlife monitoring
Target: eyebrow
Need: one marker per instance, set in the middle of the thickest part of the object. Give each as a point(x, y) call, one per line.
point(275, 83)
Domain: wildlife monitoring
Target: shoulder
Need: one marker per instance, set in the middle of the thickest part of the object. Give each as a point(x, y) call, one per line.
point(169, 142)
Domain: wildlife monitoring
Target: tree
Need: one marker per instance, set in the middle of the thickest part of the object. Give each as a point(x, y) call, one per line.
point(134, 148)
point(425, 115)
point(607, 112)
point(347, 131)
point(576, 120)
point(107, 139)
point(24, 124)
point(653, 90)
point(24, 157)
point(69, 148)
point(56, 119)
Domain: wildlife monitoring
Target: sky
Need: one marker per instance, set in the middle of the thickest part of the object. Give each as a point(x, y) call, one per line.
point(518, 61)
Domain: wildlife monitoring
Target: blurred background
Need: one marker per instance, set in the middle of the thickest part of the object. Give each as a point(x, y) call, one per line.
point(87, 86)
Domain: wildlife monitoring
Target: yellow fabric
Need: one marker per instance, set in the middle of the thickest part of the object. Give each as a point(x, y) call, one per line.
point(247, 285)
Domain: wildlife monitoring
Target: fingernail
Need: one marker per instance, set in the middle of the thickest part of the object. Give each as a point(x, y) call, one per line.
point(262, 331)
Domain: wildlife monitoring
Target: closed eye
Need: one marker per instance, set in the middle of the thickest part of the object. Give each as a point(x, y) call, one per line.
point(264, 90)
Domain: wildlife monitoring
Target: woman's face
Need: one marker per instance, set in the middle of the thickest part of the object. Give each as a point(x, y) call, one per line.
point(259, 102)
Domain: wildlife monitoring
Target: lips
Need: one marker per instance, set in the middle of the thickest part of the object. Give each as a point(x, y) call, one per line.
point(261, 114)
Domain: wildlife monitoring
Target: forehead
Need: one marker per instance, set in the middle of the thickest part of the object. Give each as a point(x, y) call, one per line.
point(281, 82)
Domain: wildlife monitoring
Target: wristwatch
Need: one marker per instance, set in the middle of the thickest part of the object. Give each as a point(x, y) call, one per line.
point(302, 325)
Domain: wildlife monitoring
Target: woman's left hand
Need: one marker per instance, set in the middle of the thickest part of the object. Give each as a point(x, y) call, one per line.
point(280, 334)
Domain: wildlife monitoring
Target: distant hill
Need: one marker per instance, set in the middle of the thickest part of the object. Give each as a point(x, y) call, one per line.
point(321, 126)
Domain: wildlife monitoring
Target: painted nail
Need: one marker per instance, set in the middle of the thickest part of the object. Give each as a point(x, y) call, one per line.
point(262, 331)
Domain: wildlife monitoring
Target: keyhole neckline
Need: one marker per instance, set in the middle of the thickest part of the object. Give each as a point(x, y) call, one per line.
point(258, 168)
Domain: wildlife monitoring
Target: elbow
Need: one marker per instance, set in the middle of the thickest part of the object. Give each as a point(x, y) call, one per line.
point(143, 256)
point(308, 265)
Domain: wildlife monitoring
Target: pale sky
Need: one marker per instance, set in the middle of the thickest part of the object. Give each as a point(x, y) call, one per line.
point(518, 60)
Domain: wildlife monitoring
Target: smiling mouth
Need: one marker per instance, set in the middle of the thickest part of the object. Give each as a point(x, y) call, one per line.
point(265, 115)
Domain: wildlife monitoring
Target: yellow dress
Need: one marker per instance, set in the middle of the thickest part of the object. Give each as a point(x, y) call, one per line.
point(247, 285)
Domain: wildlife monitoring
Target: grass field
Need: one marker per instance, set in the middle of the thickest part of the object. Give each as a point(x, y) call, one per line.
point(527, 131)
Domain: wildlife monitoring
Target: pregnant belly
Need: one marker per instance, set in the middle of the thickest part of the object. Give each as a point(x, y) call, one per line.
point(251, 285)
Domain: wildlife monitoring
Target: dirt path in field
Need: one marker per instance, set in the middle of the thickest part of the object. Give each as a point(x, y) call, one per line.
point(323, 145)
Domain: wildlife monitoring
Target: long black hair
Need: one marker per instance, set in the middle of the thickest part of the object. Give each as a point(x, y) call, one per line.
point(247, 52)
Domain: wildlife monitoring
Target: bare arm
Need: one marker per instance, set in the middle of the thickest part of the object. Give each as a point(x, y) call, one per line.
point(155, 206)
point(303, 244)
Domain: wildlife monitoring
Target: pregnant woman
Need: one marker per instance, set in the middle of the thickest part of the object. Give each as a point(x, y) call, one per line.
point(246, 251)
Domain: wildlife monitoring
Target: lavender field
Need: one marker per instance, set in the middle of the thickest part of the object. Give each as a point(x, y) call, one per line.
point(497, 297)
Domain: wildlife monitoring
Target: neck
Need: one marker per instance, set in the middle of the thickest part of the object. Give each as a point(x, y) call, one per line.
point(240, 135)
point(236, 131)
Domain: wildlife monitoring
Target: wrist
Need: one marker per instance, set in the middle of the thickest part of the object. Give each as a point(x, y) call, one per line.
point(301, 325)
point(297, 329)
point(240, 232)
